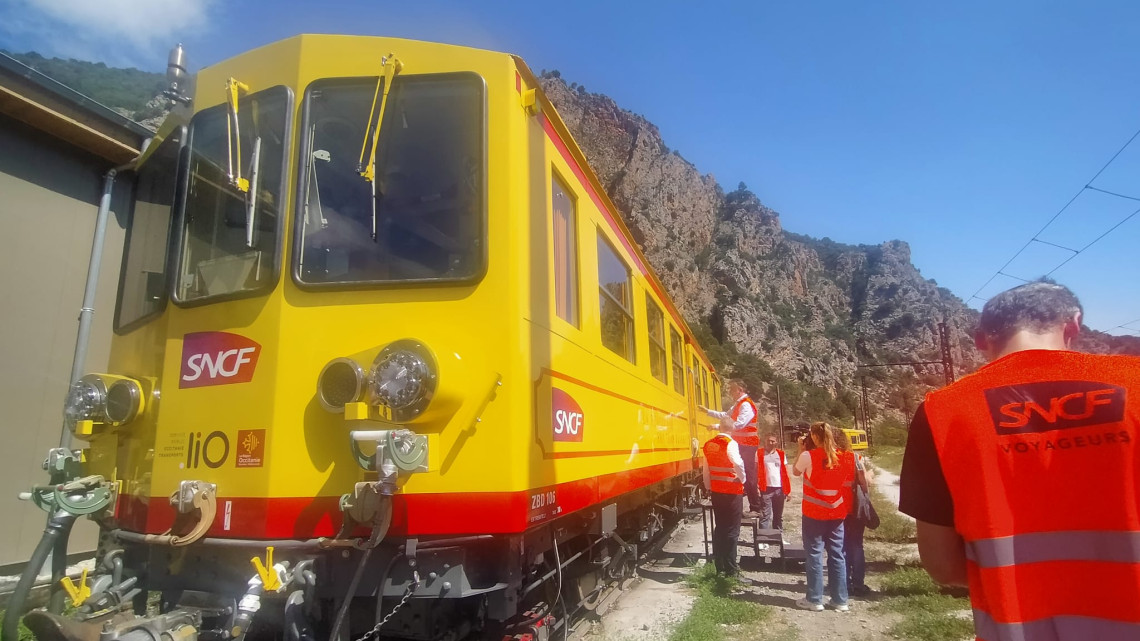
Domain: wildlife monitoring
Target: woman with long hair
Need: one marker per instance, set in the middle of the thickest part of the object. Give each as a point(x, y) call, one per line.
point(853, 528)
point(828, 478)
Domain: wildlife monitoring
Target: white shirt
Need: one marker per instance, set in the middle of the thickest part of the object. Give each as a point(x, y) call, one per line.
point(772, 469)
point(742, 420)
point(733, 451)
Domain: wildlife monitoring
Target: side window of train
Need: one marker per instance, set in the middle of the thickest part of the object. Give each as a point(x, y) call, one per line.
point(697, 381)
point(678, 361)
point(142, 280)
point(705, 385)
point(615, 300)
point(565, 252)
point(655, 320)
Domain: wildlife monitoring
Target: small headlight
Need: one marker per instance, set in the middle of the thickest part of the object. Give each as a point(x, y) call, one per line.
point(403, 378)
point(86, 401)
point(341, 382)
point(124, 400)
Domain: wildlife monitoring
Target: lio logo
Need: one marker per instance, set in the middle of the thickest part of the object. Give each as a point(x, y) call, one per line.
point(213, 450)
point(217, 358)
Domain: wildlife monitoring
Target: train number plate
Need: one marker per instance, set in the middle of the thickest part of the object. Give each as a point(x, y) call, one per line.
point(543, 505)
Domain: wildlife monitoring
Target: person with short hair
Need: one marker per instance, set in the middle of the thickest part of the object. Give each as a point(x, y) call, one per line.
point(723, 474)
point(775, 485)
point(742, 423)
point(828, 476)
point(1024, 477)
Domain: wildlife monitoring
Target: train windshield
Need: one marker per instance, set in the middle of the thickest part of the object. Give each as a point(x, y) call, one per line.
point(228, 242)
point(423, 219)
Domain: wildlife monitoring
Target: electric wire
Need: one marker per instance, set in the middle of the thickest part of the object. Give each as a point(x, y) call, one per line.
point(1035, 238)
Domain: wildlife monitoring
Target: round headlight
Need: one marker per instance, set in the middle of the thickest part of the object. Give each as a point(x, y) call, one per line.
point(124, 400)
point(403, 378)
point(341, 382)
point(86, 401)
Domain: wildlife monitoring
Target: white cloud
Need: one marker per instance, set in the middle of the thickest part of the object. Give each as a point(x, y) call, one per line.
point(114, 31)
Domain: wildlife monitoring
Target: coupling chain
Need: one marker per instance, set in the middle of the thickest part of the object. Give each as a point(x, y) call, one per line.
point(404, 599)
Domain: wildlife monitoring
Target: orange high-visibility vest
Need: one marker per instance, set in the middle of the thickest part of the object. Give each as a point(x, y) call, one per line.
point(749, 435)
point(826, 493)
point(722, 477)
point(1039, 451)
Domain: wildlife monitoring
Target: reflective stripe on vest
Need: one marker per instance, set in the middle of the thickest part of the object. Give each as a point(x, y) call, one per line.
point(722, 475)
point(1039, 547)
point(1038, 449)
point(749, 435)
point(1059, 628)
point(824, 491)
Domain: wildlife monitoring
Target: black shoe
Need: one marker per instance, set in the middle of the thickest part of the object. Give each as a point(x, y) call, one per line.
point(861, 591)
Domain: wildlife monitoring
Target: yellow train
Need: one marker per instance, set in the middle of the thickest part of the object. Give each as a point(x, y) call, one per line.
point(386, 359)
point(857, 437)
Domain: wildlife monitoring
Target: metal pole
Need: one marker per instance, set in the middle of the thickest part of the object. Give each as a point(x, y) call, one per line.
point(87, 311)
point(947, 358)
point(780, 415)
point(867, 415)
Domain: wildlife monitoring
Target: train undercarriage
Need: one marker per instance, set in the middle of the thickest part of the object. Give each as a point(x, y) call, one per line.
point(526, 586)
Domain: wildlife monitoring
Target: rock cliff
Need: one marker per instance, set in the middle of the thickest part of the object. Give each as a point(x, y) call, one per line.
point(771, 306)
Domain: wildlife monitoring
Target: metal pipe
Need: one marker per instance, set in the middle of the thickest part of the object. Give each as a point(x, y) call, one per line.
point(287, 544)
point(87, 310)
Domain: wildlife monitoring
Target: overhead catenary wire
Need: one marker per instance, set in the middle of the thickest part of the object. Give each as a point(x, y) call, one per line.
point(1088, 186)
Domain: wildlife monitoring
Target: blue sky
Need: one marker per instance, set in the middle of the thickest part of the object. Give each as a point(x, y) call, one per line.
point(959, 127)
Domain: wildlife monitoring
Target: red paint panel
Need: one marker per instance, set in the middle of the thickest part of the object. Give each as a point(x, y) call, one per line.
point(413, 514)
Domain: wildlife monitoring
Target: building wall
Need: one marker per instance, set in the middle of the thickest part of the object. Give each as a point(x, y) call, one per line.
point(49, 194)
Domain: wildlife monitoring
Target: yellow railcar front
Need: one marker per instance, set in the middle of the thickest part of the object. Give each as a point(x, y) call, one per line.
point(373, 298)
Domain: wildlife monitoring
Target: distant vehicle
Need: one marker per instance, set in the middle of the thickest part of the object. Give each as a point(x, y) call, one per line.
point(858, 438)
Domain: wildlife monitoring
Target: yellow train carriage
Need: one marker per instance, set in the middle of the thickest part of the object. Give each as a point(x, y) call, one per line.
point(373, 298)
point(857, 437)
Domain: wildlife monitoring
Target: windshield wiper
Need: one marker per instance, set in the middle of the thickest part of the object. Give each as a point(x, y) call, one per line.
point(251, 196)
point(390, 66)
point(233, 135)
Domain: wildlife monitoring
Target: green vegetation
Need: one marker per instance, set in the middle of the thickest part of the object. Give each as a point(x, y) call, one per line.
point(128, 89)
point(929, 612)
point(716, 612)
point(887, 457)
point(889, 432)
point(893, 527)
point(25, 633)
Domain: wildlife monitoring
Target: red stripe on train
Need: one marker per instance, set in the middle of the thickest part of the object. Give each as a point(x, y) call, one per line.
point(413, 514)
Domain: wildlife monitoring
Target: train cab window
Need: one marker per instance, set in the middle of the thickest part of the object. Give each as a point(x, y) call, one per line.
point(142, 281)
point(678, 361)
point(655, 320)
point(565, 253)
point(228, 241)
point(615, 300)
point(422, 217)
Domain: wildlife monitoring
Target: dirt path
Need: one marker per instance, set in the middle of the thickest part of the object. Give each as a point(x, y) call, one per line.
point(660, 599)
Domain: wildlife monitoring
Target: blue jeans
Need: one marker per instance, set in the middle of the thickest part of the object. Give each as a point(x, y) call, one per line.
point(817, 535)
point(853, 530)
point(751, 482)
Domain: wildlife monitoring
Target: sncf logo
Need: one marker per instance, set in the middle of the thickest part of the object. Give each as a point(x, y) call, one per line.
point(1054, 405)
point(217, 358)
point(569, 421)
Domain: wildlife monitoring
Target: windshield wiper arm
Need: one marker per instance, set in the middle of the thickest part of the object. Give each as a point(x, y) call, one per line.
point(390, 66)
point(233, 135)
point(251, 196)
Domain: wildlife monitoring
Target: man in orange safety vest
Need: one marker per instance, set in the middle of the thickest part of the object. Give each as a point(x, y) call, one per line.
point(743, 426)
point(1024, 477)
point(723, 473)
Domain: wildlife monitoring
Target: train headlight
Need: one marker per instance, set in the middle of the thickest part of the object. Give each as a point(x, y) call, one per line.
point(86, 401)
point(403, 378)
point(341, 382)
point(124, 401)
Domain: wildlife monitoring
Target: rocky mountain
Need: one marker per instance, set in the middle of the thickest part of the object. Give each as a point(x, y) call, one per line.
point(770, 306)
